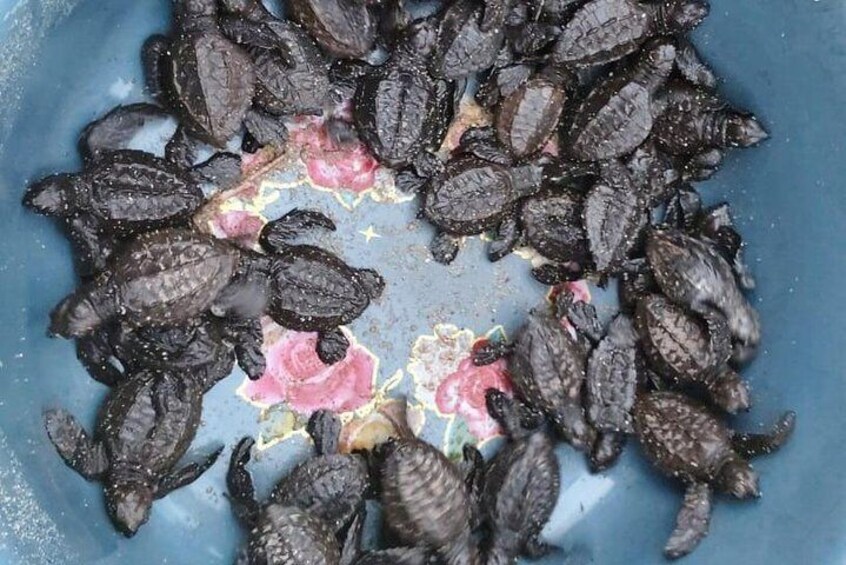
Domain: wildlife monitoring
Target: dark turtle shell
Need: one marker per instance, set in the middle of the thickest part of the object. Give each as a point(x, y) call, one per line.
point(471, 196)
point(528, 116)
point(148, 423)
point(287, 535)
point(162, 278)
point(293, 78)
point(612, 378)
point(552, 225)
point(212, 82)
point(331, 487)
point(424, 497)
point(616, 116)
point(396, 112)
point(463, 48)
point(547, 368)
point(133, 190)
point(675, 342)
point(694, 274)
point(345, 28)
point(313, 290)
point(613, 219)
point(520, 491)
point(682, 437)
point(602, 31)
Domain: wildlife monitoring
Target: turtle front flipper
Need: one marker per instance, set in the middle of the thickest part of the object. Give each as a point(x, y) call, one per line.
point(95, 353)
point(753, 445)
point(245, 32)
point(187, 474)
point(332, 346)
point(444, 248)
point(508, 236)
point(491, 352)
point(371, 281)
point(276, 234)
point(248, 338)
point(85, 310)
point(324, 428)
point(606, 450)
point(692, 67)
point(556, 273)
point(153, 54)
point(516, 418)
point(92, 248)
point(76, 448)
point(265, 128)
point(182, 148)
point(691, 523)
point(239, 483)
point(352, 543)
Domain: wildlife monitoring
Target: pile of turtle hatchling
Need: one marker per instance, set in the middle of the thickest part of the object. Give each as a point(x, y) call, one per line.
point(603, 114)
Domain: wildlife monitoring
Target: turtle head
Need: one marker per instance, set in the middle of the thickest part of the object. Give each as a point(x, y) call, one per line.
point(744, 130)
point(738, 478)
point(129, 503)
point(52, 196)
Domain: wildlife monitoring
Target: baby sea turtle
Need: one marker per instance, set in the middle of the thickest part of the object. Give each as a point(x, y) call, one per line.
point(548, 370)
point(144, 428)
point(686, 441)
point(425, 499)
point(689, 349)
point(344, 28)
point(204, 349)
point(552, 226)
point(528, 116)
point(693, 274)
point(208, 80)
point(617, 114)
point(163, 277)
point(614, 216)
point(521, 486)
point(602, 31)
point(313, 290)
point(611, 384)
point(331, 486)
point(473, 195)
point(400, 111)
point(292, 74)
point(124, 192)
point(470, 36)
point(692, 121)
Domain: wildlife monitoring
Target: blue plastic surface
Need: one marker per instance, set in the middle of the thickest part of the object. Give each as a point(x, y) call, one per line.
point(784, 60)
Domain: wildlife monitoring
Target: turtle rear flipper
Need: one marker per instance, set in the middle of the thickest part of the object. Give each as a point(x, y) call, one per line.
point(239, 483)
point(691, 523)
point(187, 474)
point(324, 427)
point(332, 346)
point(753, 445)
point(76, 448)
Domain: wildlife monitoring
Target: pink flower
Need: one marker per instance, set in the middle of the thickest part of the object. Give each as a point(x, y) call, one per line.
point(463, 393)
point(296, 375)
point(349, 166)
point(242, 227)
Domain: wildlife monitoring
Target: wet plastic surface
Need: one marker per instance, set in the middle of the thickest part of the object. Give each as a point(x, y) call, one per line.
point(781, 60)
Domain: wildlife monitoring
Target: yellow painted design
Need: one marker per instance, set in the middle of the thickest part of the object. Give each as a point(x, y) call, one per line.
point(369, 233)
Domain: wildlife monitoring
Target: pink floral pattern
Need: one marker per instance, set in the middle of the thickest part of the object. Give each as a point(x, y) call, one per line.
point(237, 225)
point(296, 376)
point(330, 165)
point(463, 393)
